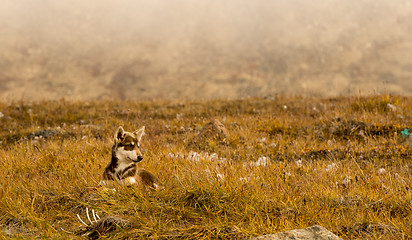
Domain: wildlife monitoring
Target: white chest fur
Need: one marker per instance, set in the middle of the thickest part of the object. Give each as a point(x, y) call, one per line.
point(130, 180)
point(124, 182)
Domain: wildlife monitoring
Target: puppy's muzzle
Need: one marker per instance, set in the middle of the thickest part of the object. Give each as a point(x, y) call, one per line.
point(139, 158)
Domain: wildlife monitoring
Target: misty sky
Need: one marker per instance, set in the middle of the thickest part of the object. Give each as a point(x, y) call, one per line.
point(281, 45)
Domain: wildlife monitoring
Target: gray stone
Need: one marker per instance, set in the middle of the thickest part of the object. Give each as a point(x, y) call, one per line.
point(315, 232)
point(214, 130)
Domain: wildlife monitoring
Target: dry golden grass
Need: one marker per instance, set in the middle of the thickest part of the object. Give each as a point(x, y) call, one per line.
point(288, 163)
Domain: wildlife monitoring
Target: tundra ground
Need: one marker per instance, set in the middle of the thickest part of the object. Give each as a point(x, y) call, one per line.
point(286, 163)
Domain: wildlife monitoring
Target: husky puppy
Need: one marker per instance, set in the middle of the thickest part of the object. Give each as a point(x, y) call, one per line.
point(122, 169)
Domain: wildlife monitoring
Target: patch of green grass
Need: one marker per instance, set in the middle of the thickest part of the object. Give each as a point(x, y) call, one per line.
point(288, 163)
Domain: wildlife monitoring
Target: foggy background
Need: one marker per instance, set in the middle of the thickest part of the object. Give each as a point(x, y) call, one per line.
point(203, 49)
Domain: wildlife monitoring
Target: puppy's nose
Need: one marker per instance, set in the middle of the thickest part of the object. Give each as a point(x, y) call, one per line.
point(139, 158)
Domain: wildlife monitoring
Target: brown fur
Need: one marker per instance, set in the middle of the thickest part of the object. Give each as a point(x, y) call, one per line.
point(122, 169)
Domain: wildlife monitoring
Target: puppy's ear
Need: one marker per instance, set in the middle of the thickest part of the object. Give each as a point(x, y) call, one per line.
point(139, 133)
point(119, 135)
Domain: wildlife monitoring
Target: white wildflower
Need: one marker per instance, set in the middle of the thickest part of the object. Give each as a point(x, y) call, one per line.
point(194, 156)
point(246, 179)
point(331, 167)
point(174, 156)
point(346, 181)
point(262, 140)
point(213, 157)
point(1, 115)
point(220, 177)
point(381, 171)
point(262, 161)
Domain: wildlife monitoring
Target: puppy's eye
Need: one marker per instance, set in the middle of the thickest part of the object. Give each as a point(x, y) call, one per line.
point(129, 145)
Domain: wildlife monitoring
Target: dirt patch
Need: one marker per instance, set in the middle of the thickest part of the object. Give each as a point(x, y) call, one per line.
point(213, 132)
point(370, 231)
point(16, 226)
point(103, 226)
point(352, 129)
point(45, 134)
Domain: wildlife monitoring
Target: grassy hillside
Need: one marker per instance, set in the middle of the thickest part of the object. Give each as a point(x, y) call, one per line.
point(287, 163)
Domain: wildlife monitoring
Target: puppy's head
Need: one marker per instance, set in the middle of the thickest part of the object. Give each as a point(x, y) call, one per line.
point(126, 145)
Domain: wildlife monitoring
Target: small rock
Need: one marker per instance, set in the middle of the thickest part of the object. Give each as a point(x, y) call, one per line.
point(310, 233)
point(215, 128)
point(179, 116)
point(392, 107)
point(103, 226)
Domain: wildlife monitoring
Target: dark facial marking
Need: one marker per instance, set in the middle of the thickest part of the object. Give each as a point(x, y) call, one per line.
point(128, 172)
point(128, 143)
